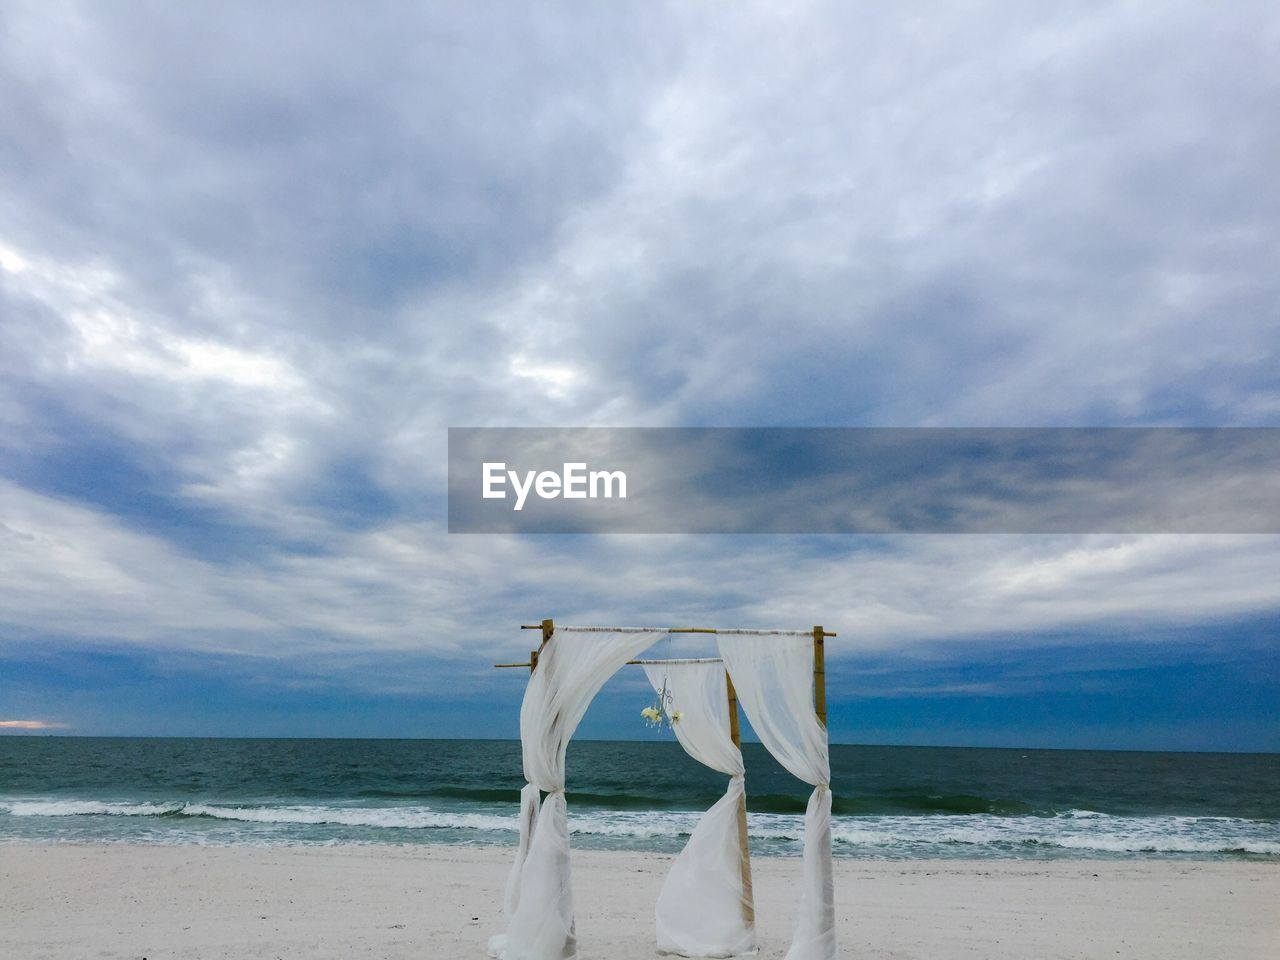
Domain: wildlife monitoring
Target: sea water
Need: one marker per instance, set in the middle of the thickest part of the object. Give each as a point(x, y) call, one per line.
point(889, 802)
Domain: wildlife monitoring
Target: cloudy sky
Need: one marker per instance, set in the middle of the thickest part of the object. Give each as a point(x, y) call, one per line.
point(255, 260)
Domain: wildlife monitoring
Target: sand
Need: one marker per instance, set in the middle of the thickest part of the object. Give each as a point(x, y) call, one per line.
point(101, 901)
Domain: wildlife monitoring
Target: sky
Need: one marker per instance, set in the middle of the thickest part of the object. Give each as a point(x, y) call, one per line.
point(255, 260)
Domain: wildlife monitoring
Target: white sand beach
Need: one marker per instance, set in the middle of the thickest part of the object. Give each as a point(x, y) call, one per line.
point(65, 901)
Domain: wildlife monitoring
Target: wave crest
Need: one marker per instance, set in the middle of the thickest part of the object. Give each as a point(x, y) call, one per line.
point(1078, 832)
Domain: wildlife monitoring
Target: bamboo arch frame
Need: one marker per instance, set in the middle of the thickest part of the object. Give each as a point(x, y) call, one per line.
point(548, 628)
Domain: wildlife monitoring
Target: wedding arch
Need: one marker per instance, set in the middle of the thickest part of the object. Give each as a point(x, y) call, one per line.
point(706, 906)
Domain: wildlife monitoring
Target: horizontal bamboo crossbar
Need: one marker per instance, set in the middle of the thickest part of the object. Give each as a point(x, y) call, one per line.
point(547, 628)
point(729, 631)
point(639, 663)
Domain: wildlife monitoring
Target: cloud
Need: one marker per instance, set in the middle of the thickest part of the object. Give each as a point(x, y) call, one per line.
point(406, 588)
point(255, 261)
point(30, 725)
point(892, 227)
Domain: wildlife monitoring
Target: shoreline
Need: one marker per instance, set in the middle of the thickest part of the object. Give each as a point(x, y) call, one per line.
point(60, 901)
point(795, 853)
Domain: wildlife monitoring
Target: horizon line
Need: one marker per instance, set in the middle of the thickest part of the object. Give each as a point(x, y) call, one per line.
point(49, 735)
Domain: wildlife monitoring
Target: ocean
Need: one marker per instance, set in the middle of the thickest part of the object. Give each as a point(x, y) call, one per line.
point(890, 802)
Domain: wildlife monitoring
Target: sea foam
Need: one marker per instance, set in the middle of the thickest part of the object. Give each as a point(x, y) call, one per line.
point(1072, 833)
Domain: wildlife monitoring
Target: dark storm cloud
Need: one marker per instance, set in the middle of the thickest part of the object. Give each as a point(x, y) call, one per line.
point(360, 154)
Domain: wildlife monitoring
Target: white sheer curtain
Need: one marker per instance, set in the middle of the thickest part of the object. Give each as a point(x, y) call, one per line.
point(539, 897)
point(701, 910)
point(773, 675)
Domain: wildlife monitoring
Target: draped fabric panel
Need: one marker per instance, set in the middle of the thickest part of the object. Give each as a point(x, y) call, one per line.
point(701, 908)
point(572, 668)
point(530, 799)
point(773, 675)
point(699, 912)
point(700, 694)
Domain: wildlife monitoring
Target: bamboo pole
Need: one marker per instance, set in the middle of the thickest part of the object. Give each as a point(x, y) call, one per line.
point(722, 630)
point(744, 853)
point(820, 675)
point(533, 658)
point(548, 628)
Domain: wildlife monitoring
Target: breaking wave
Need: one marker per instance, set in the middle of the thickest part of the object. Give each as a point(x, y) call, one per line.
point(1073, 833)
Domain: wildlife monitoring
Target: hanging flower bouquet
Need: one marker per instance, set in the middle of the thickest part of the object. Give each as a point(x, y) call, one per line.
point(660, 713)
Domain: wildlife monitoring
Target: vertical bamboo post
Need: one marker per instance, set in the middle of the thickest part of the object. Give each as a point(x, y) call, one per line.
point(548, 628)
point(819, 676)
point(744, 855)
